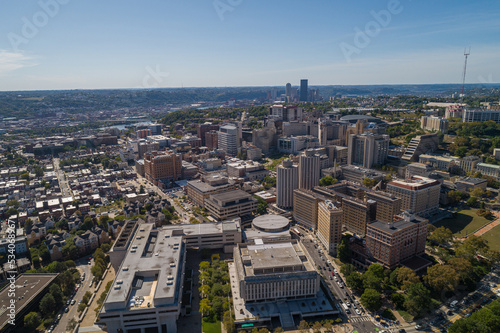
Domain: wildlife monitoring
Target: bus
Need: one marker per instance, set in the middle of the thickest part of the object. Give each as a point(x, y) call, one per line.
point(296, 231)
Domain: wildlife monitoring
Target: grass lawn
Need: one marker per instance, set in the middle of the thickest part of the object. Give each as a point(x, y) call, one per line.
point(465, 222)
point(492, 237)
point(211, 327)
point(406, 316)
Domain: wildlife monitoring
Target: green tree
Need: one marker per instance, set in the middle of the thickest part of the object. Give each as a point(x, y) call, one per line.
point(398, 300)
point(32, 320)
point(47, 305)
point(471, 247)
point(441, 235)
point(441, 277)
point(472, 202)
point(327, 181)
point(343, 251)
point(57, 293)
point(368, 182)
point(303, 326)
point(454, 196)
point(262, 206)
point(371, 299)
point(406, 277)
point(355, 281)
point(461, 151)
point(205, 307)
point(477, 192)
point(418, 299)
point(463, 267)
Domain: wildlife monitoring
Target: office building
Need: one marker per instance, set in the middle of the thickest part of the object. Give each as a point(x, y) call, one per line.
point(480, 115)
point(274, 271)
point(419, 195)
point(357, 213)
point(436, 124)
point(469, 163)
point(304, 90)
point(230, 204)
point(161, 166)
point(155, 129)
point(287, 181)
point(387, 205)
point(465, 184)
point(211, 140)
point(203, 129)
point(264, 138)
point(305, 208)
point(418, 169)
point(288, 90)
point(249, 170)
point(309, 170)
point(286, 112)
point(439, 162)
point(368, 149)
point(147, 291)
point(295, 144)
point(228, 139)
point(142, 133)
point(330, 220)
point(393, 244)
point(454, 110)
point(486, 169)
point(356, 174)
point(422, 144)
point(199, 190)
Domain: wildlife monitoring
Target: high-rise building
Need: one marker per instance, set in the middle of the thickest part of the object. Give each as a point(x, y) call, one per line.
point(288, 90)
point(287, 180)
point(357, 213)
point(368, 149)
point(480, 115)
point(309, 169)
point(142, 133)
point(330, 219)
point(202, 129)
point(228, 139)
point(163, 165)
point(211, 140)
point(304, 90)
point(387, 205)
point(419, 195)
point(305, 208)
point(286, 112)
point(432, 123)
point(390, 244)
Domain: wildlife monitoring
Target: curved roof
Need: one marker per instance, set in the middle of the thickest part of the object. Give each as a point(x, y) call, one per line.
point(272, 223)
point(352, 118)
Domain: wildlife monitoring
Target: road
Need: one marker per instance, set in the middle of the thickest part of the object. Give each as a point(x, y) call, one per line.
point(63, 183)
point(83, 266)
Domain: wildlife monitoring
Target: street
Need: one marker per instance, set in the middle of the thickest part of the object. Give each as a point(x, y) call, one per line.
point(63, 183)
point(82, 266)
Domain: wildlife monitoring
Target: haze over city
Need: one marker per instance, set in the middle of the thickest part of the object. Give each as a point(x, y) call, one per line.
point(48, 45)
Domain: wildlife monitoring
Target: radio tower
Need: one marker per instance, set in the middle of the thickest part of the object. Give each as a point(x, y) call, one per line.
point(466, 54)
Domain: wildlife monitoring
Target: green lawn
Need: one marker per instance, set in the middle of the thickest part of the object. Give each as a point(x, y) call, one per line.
point(406, 316)
point(465, 222)
point(492, 237)
point(211, 327)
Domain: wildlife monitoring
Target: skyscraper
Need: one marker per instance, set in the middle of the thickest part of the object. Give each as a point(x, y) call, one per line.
point(288, 90)
point(287, 180)
point(304, 91)
point(309, 169)
point(228, 139)
point(368, 149)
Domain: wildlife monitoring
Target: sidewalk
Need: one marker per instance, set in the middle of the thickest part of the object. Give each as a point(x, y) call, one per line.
point(90, 317)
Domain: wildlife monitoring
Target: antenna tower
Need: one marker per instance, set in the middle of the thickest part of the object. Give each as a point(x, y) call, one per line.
point(466, 54)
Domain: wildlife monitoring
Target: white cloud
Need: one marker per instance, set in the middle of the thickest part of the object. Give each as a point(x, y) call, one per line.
point(11, 61)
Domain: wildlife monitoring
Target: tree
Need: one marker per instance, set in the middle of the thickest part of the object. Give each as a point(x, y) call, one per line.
point(373, 276)
point(368, 182)
point(355, 281)
point(441, 277)
point(371, 299)
point(472, 202)
point(442, 235)
point(57, 293)
point(47, 305)
point(343, 251)
point(32, 320)
point(205, 307)
point(462, 266)
point(228, 322)
point(418, 299)
point(262, 206)
point(398, 300)
point(278, 330)
point(347, 269)
point(406, 277)
point(471, 247)
point(141, 189)
point(327, 181)
point(454, 196)
point(303, 326)
point(477, 192)
point(461, 151)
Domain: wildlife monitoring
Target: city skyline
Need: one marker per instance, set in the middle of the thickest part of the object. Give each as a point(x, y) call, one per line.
point(62, 44)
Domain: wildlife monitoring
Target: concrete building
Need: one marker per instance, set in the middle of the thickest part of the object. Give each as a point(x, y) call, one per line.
point(229, 139)
point(330, 220)
point(160, 166)
point(391, 244)
point(418, 169)
point(387, 205)
point(264, 138)
point(488, 169)
point(466, 184)
point(295, 144)
point(422, 144)
point(436, 124)
point(142, 133)
point(199, 190)
point(273, 271)
point(469, 163)
point(480, 115)
point(367, 149)
point(203, 129)
point(212, 140)
point(286, 112)
point(304, 90)
point(357, 174)
point(246, 169)
point(357, 213)
point(147, 291)
point(287, 181)
point(305, 208)
point(439, 162)
point(230, 204)
point(419, 195)
point(309, 170)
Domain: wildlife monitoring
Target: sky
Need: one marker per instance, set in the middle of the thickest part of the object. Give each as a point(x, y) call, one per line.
point(90, 44)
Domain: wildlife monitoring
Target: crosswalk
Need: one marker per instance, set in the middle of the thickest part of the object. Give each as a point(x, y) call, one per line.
point(359, 319)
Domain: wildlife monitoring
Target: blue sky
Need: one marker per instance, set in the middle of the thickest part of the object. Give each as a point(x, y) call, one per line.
point(89, 44)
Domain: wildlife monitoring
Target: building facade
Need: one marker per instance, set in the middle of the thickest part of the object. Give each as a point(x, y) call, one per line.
point(230, 204)
point(436, 124)
point(287, 181)
point(330, 220)
point(228, 139)
point(419, 195)
point(309, 170)
point(367, 149)
point(160, 166)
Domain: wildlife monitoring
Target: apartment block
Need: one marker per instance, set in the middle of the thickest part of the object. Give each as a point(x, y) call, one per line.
point(330, 220)
point(419, 195)
point(159, 166)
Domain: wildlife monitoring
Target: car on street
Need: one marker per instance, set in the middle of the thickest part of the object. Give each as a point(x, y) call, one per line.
point(73, 302)
point(358, 312)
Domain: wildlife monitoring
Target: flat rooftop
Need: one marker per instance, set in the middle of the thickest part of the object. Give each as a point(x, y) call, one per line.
point(397, 225)
point(150, 272)
point(28, 286)
point(207, 228)
point(231, 196)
